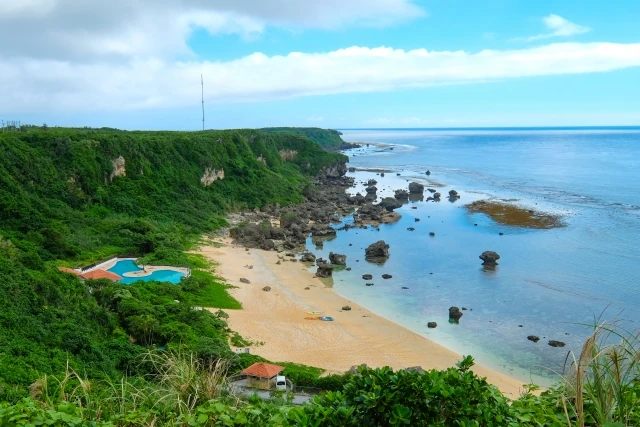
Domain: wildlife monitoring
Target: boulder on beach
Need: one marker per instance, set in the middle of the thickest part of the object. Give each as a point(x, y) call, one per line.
point(489, 258)
point(454, 313)
point(308, 257)
point(416, 188)
point(377, 250)
point(243, 280)
point(533, 338)
point(346, 308)
point(337, 259)
point(266, 288)
point(554, 343)
point(432, 325)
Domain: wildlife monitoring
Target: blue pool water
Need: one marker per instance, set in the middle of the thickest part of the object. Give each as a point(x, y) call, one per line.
point(128, 266)
point(549, 283)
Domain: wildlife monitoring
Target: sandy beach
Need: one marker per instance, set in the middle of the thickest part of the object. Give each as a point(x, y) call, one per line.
point(277, 318)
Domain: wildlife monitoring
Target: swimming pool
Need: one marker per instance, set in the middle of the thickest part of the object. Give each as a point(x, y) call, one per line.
point(128, 266)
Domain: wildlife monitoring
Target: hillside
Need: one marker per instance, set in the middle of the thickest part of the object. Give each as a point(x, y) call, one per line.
point(75, 196)
point(328, 139)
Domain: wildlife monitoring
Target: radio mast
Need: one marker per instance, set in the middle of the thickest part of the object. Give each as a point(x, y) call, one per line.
point(202, 84)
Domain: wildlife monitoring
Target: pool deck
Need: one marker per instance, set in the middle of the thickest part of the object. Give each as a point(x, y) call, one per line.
point(148, 269)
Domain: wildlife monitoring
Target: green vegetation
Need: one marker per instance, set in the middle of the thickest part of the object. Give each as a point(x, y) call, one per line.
point(76, 196)
point(328, 139)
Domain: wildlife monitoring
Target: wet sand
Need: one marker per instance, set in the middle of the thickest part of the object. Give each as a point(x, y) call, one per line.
point(358, 336)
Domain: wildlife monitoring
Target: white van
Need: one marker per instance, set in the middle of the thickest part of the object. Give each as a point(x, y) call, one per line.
point(281, 383)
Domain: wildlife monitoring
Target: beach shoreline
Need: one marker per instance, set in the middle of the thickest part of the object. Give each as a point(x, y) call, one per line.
point(277, 319)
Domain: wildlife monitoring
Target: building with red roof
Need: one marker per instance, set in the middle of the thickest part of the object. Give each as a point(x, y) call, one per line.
point(262, 375)
point(100, 274)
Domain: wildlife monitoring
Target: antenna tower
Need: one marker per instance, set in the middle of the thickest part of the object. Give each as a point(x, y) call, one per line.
point(202, 84)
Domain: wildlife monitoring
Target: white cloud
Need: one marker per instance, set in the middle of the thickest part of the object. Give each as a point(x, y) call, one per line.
point(559, 27)
point(43, 85)
point(82, 30)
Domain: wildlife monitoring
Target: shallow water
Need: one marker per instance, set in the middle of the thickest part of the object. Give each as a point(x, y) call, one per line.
point(552, 282)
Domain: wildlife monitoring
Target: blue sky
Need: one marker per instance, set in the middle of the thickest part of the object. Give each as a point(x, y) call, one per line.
point(335, 63)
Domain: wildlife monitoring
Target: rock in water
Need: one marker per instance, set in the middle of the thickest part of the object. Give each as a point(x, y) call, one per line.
point(416, 188)
point(387, 276)
point(455, 313)
point(489, 258)
point(554, 343)
point(390, 203)
point(453, 194)
point(367, 276)
point(324, 270)
point(432, 325)
point(371, 189)
point(533, 338)
point(436, 196)
point(401, 194)
point(308, 257)
point(428, 172)
point(377, 250)
point(337, 259)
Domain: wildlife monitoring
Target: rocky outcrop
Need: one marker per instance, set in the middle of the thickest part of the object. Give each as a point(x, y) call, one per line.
point(324, 269)
point(377, 251)
point(390, 203)
point(210, 176)
point(287, 154)
point(119, 168)
point(371, 182)
point(489, 258)
point(337, 259)
point(453, 194)
point(324, 232)
point(455, 313)
point(554, 343)
point(401, 195)
point(416, 188)
point(371, 189)
point(436, 196)
point(308, 257)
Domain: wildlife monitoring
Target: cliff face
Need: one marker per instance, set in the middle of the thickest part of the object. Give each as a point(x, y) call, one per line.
point(328, 139)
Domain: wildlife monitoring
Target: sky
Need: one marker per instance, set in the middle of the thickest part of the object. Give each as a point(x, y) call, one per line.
point(137, 64)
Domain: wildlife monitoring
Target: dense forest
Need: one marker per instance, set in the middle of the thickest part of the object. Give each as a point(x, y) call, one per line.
point(328, 139)
point(99, 353)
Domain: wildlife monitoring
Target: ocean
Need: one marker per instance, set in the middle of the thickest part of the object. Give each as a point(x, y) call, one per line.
point(551, 283)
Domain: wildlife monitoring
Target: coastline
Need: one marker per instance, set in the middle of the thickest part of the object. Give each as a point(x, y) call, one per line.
point(358, 336)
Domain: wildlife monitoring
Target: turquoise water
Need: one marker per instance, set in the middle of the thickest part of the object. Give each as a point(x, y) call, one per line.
point(550, 283)
point(127, 266)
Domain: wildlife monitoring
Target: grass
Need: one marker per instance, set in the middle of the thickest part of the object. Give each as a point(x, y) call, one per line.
point(515, 216)
point(215, 294)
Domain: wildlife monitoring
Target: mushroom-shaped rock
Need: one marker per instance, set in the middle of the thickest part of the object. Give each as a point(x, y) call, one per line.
point(416, 188)
point(455, 313)
point(453, 194)
point(372, 182)
point(390, 203)
point(371, 189)
point(308, 257)
point(533, 338)
point(436, 195)
point(367, 276)
point(401, 194)
point(337, 259)
point(489, 258)
point(346, 308)
point(324, 270)
point(379, 249)
point(554, 343)
point(432, 325)
point(266, 288)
